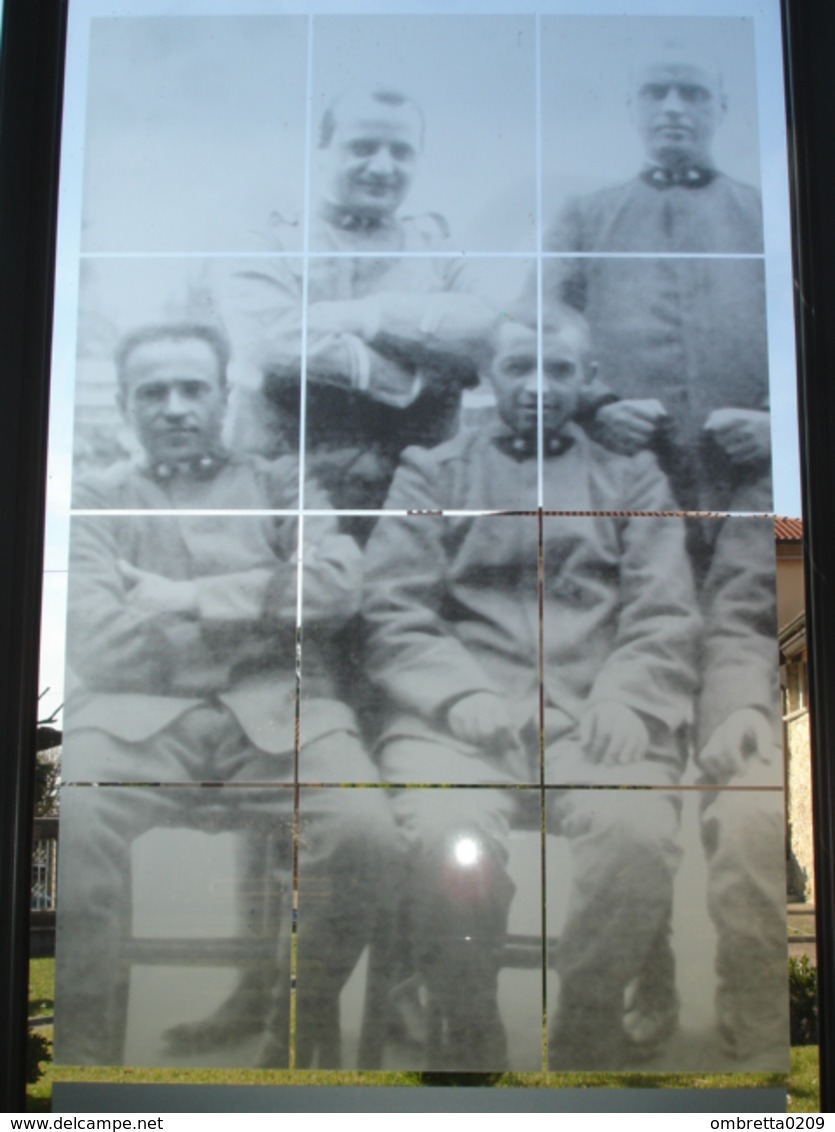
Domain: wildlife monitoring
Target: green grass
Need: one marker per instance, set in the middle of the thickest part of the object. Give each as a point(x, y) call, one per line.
point(41, 983)
point(801, 924)
point(801, 1084)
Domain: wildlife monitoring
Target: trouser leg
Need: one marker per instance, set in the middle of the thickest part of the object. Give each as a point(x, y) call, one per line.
point(349, 867)
point(455, 909)
point(652, 1002)
point(625, 853)
point(743, 836)
point(98, 827)
point(263, 875)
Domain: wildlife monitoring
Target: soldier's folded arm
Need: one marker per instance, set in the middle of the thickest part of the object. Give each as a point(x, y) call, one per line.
point(413, 653)
point(130, 628)
point(113, 643)
point(388, 346)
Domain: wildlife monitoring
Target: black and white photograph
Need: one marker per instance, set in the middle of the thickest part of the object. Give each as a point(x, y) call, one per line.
point(171, 617)
point(334, 746)
point(206, 333)
point(397, 104)
point(409, 362)
point(620, 639)
point(650, 135)
point(451, 616)
point(423, 704)
point(175, 921)
point(680, 369)
point(451, 979)
point(195, 134)
point(738, 738)
point(668, 912)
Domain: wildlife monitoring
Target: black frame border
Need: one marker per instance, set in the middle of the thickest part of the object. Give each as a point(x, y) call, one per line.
point(31, 89)
point(809, 46)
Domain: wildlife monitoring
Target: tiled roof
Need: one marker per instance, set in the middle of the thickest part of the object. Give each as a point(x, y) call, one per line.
point(788, 530)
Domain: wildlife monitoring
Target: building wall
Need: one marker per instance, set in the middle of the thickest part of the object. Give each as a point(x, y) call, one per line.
point(790, 592)
point(800, 845)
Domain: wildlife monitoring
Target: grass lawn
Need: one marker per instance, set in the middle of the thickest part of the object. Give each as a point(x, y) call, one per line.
point(41, 984)
point(801, 1084)
point(802, 924)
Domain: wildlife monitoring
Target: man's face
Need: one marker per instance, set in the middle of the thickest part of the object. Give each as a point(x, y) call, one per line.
point(370, 162)
point(677, 107)
point(173, 398)
point(514, 379)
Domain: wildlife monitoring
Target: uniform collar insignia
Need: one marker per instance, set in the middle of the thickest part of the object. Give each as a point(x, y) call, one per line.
point(521, 448)
point(349, 221)
point(686, 177)
point(197, 468)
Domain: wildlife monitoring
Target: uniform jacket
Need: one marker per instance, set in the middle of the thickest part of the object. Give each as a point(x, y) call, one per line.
point(141, 671)
point(722, 216)
point(451, 601)
point(394, 381)
point(689, 332)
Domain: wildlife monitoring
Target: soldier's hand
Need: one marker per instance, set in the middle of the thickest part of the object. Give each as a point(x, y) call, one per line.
point(613, 734)
point(483, 718)
point(628, 427)
point(744, 435)
point(152, 593)
point(745, 735)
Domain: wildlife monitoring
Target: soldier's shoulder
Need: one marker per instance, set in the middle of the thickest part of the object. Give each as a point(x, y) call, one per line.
point(426, 230)
point(746, 193)
point(277, 233)
point(279, 476)
point(583, 213)
point(104, 487)
point(610, 194)
point(462, 446)
point(438, 467)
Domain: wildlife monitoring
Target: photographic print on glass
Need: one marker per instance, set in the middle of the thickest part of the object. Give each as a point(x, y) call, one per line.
point(361, 299)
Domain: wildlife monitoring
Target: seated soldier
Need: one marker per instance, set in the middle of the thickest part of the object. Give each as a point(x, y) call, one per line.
point(452, 608)
point(182, 629)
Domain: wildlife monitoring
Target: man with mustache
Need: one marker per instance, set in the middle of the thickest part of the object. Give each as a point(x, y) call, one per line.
point(182, 630)
point(391, 337)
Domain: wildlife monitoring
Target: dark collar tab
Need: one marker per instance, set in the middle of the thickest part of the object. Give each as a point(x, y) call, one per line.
point(349, 221)
point(525, 447)
point(686, 177)
point(198, 468)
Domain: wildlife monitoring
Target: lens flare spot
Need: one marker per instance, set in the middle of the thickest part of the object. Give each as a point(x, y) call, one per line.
point(467, 852)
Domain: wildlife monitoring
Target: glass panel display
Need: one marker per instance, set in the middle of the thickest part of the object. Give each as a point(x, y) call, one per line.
point(422, 697)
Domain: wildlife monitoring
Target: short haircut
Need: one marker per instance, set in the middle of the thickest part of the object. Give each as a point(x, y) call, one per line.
point(172, 332)
point(671, 53)
point(386, 96)
point(557, 318)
